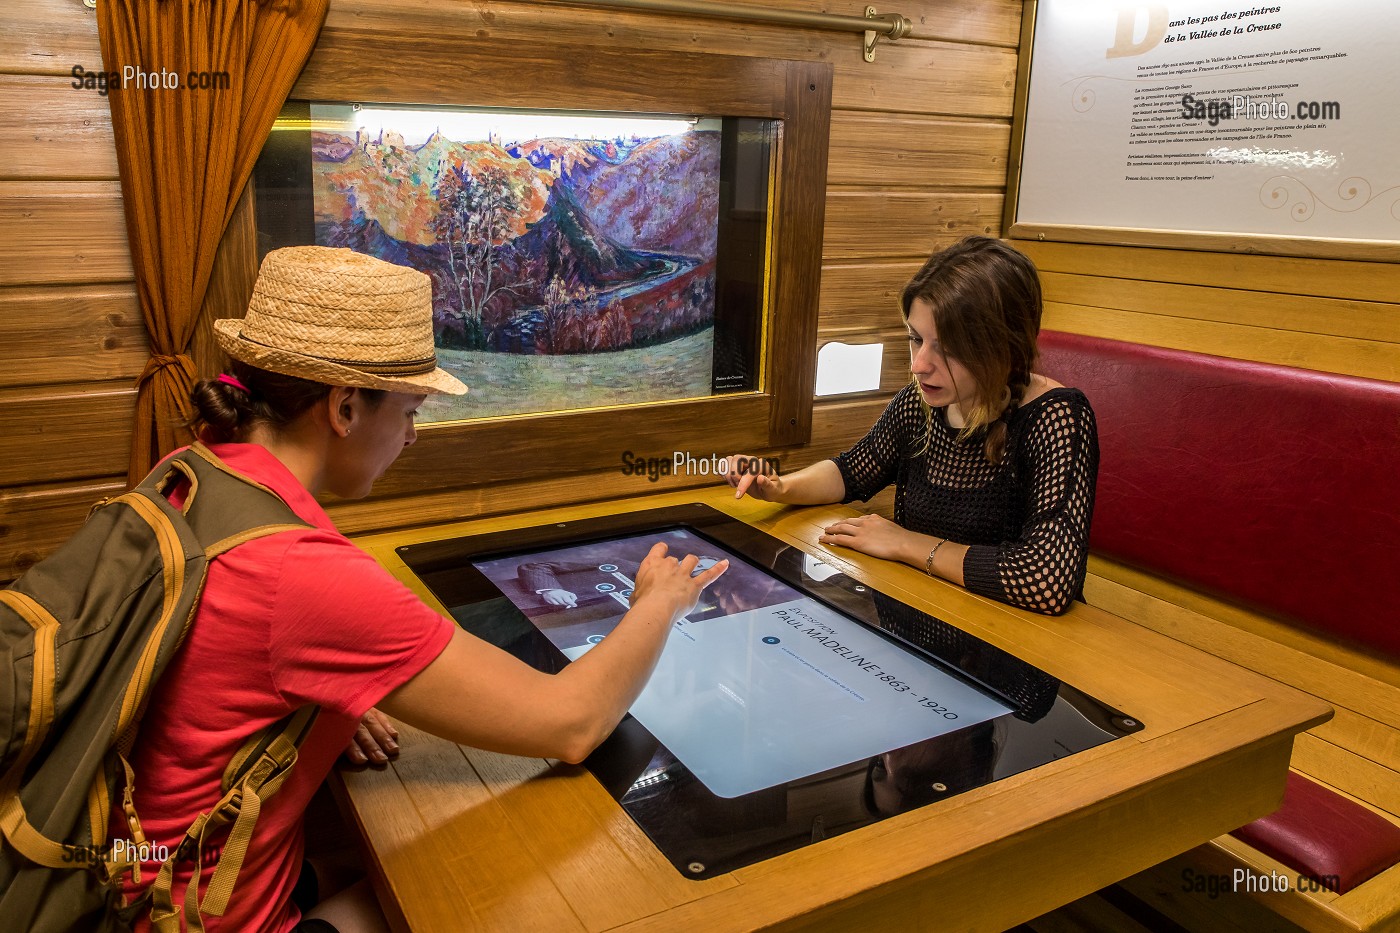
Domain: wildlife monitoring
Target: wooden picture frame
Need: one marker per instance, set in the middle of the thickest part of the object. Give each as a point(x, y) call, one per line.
point(461, 70)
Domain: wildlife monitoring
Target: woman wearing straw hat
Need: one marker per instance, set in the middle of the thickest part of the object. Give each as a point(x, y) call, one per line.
point(329, 367)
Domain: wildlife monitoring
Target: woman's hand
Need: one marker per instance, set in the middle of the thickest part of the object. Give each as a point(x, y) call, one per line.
point(750, 475)
point(376, 740)
point(870, 534)
point(670, 581)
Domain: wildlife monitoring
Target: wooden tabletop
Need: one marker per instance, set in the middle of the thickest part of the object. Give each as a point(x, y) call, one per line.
point(467, 840)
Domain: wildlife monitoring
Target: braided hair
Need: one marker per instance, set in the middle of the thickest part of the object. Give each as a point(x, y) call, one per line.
point(987, 306)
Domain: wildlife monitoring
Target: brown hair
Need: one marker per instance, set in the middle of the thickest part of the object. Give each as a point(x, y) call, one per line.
point(226, 412)
point(986, 306)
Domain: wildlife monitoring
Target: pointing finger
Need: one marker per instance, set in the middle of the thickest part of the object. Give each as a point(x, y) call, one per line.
point(743, 485)
point(713, 574)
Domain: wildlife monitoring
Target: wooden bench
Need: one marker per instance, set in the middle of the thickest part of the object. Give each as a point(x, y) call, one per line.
point(1253, 511)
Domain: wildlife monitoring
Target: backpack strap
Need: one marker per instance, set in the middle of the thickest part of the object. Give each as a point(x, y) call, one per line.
point(199, 449)
point(219, 502)
point(13, 822)
point(225, 521)
point(41, 697)
point(242, 537)
point(255, 773)
point(219, 505)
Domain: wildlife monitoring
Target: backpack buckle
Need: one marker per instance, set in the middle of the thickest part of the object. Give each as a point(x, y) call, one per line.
point(133, 822)
point(111, 869)
point(231, 806)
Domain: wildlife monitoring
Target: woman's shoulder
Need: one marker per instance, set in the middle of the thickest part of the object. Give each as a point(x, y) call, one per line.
point(1039, 387)
point(1043, 389)
point(1049, 400)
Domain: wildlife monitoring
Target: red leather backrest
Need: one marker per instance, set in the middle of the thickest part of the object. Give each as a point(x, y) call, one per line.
point(1272, 486)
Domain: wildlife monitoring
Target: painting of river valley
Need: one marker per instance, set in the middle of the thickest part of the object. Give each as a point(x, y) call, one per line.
point(572, 256)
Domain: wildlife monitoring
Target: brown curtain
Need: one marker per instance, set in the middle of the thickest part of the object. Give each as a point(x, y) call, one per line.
point(185, 154)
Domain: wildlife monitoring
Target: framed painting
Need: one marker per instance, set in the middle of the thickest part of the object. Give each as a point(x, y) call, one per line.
point(625, 246)
point(574, 257)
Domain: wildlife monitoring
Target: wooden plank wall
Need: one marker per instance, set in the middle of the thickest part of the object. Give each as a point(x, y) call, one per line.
point(1323, 314)
point(918, 158)
point(70, 325)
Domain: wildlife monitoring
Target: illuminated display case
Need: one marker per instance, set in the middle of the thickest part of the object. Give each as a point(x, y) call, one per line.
point(758, 397)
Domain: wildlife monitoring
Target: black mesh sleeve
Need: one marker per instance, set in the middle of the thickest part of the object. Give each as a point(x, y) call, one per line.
point(873, 462)
point(1044, 569)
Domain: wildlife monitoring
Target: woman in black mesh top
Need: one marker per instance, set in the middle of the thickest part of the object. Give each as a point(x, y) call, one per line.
point(993, 465)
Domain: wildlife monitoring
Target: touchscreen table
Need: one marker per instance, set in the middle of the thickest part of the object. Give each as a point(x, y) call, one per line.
point(978, 829)
point(791, 705)
point(759, 686)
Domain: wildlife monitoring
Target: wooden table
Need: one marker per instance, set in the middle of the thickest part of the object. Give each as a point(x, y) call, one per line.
point(467, 840)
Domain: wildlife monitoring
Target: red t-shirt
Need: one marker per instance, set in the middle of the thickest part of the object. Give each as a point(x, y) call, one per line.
point(297, 618)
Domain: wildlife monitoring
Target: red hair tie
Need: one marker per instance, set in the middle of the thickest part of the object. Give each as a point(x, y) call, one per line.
point(228, 380)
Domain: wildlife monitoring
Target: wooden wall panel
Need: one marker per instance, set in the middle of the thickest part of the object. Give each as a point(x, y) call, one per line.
point(54, 334)
point(909, 76)
point(1337, 317)
point(741, 86)
point(1372, 359)
point(1329, 315)
point(64, 432)
point(930, 77)
point(54, 131)
point(994, 22)
point(889, 224)
point(1324, 278)
point(47, 37)
point(979, 22)
point(62, 232)
point(895, 151)
point(863, 297)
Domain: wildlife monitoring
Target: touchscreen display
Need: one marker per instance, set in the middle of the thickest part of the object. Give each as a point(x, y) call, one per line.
point(761, 684)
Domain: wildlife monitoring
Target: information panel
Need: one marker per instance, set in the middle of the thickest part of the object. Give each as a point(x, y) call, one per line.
point(759, 686)
point(1276, 118)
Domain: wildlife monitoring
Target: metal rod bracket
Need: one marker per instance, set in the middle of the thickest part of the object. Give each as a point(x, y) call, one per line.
point(897, 27)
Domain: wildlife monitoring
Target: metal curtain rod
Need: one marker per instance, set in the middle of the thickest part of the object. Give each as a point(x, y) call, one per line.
point(891, 25)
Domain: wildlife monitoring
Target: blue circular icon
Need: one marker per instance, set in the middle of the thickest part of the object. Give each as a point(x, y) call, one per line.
point(605, 587)
point(608, 568)
point(627, 593)
point(771, 640)
point(594, 639)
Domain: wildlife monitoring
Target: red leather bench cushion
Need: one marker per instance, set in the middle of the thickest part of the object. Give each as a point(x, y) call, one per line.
point(1273, 486)
point(1322, 835)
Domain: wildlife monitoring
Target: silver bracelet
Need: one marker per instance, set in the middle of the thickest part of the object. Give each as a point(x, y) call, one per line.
point(928, 564)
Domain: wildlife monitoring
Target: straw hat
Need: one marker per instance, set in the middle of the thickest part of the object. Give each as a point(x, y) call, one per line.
point(342, 318)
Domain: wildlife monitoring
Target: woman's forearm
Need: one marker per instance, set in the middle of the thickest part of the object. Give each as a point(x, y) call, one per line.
point(947, 559)
point(818, 484)
point(607, 679)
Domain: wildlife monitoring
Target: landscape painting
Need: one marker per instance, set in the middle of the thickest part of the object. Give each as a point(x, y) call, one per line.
point(572, 256)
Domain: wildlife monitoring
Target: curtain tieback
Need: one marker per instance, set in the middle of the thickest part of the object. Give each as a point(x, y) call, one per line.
point(161, 362)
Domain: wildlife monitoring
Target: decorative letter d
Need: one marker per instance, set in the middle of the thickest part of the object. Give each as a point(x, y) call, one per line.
point(1123, 44)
